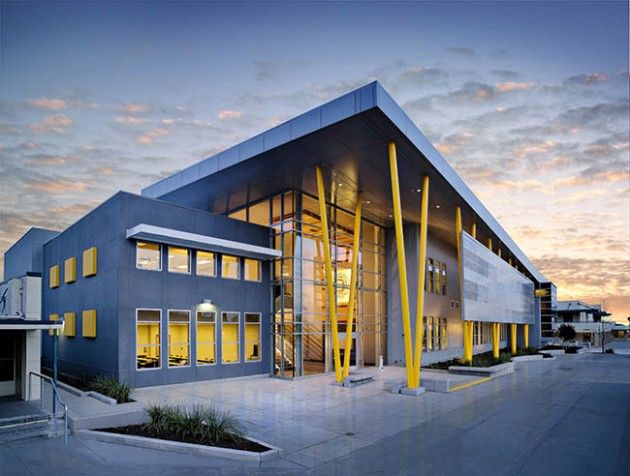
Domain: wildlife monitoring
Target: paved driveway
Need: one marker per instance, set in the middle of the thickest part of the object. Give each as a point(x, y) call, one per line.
point(570, 416)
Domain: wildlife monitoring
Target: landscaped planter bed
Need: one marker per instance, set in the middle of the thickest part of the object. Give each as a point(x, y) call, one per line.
point(527, 358)
point(181, 447)
point(492, 371)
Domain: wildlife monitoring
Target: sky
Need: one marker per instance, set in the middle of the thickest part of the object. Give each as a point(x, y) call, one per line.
point(529, 102)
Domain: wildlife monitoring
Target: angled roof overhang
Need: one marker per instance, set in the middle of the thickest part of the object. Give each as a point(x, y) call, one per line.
point(169, 236)
point(348, 137)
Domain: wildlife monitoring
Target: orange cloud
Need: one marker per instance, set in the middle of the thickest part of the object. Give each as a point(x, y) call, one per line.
point(228, 114)
point(59, 186)
point(151, 136)
point(50, 104)
point(134, 108)
point(52, 125)
point(130, 120)
point(508, 86)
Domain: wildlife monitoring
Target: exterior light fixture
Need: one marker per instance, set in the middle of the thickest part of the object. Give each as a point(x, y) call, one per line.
point(206, 306)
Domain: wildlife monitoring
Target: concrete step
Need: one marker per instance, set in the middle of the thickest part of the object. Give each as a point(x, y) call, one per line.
point(28, 427)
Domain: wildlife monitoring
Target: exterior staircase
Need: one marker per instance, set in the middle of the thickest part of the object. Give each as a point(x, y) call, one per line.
point(23, 427)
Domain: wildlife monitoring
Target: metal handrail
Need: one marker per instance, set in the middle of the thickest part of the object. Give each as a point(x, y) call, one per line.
point(55, 395)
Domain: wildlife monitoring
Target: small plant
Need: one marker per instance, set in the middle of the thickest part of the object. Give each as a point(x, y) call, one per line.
point(609, 351)
point(111, 387)
point(205, 425)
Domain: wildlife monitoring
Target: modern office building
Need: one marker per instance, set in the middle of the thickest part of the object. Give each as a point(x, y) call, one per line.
point(587, 321)
point(229, 267)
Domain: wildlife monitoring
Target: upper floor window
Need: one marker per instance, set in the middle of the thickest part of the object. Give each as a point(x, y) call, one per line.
point(230, 267)
point(178, 260)
point(206, 264)
point(148, 256)
point(253, 271)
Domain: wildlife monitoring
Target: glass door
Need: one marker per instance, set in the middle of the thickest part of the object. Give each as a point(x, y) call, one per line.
point(7, 365)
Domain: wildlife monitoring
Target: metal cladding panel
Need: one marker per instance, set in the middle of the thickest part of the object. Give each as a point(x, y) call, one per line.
point(493, 290)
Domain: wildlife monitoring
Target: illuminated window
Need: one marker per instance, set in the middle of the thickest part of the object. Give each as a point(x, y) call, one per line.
point(206, 264)
point(230, 342)
point(253, 271)
point(178, 260)
point(148, 256)
point(437, 287)
point(252, 336)
point(444, 279)
point(230, 267)
point(148, 342)
point(206, 338)
point(444, 333)
point(429, 277)
point(178, 338)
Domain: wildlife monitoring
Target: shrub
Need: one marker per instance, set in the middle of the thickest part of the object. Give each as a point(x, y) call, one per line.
point(111, 387)
point(205, 425)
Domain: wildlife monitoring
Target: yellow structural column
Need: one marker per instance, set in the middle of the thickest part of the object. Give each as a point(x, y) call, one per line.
point(490, 244)
point(465, 325)
point(513, 338)
point(353, 283)
point(473, 231)
point(526, 335)
point(495, 340)
point(332, 305)
point(402, 267)
point(422, 268)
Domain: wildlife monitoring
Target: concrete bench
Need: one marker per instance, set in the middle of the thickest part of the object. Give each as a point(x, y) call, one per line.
point(355, 380)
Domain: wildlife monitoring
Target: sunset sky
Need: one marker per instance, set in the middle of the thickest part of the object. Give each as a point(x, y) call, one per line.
point(529, 102)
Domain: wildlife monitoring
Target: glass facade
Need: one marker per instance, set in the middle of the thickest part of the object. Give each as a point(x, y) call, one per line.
point(301, 330)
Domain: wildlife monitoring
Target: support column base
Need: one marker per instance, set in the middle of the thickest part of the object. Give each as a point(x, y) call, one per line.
point(412, 392)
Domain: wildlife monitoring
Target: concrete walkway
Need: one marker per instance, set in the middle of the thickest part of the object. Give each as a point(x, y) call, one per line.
point(567, 416)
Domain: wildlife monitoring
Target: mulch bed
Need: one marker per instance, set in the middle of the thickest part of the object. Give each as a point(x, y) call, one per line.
point(242, 444)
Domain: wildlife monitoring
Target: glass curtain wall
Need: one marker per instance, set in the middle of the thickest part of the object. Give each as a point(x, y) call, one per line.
point(301, 331)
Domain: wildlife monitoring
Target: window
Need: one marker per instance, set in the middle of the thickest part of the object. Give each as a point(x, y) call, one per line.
point(230, 267)
point(444, 333)
point(437, 287)
point(206, 264)
point(178, 260)
point(429, 278)
point(252, 336)
point(148, 342)
point(443, 279)
point(148, 256)
point(206, 338)
point(253, 271)
point(230, 332)
point(178, 338)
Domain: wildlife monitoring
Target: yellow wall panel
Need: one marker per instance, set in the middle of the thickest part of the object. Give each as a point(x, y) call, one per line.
point(230, 347)
point(70, 270)
point(52, 317)
point(89, 262)
point(89, 323)
point(53, 280)
point(69, 324)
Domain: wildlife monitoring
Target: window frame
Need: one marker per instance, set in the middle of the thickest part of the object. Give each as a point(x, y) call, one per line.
point(159, 252)
point(159, 367)
point(168, 339)
point(259, 314)
point(216, 347)
point(259, 263)
point(238, 268)
point(215, 260)
point(238, 334)
point(168, 259)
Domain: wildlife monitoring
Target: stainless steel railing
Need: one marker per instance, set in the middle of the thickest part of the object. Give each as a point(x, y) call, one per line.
point(55, 396)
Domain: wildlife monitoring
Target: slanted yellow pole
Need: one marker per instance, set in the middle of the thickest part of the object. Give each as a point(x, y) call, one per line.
point(422, 268)
point(499, 250)
point(513, 338)
point(473, 231)
point(490, 244)
point(402, 267)
point(495, 340)
point(471, 325)
point(332, 305)
point(526, 335)
point(465, 327)
point(510, 261)
point(353, 283)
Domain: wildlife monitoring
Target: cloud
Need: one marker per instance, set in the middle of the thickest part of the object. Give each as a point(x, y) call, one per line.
point(506, 74)
point(49, 104)
point(130, 120)
point(52, 125)
point(421, 75)
point(228, 114)
point(508, 86)
point(151, 136)
point(134, 108)
point(587, 79)
point(474, 91)
point(61, 186)
point(460, 52)
point(49, 159)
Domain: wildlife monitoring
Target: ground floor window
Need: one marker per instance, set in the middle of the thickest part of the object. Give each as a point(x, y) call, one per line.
point(148, 342)
point(435, 333)
point(252, 336)
point(230, 332)
point(206, 338)
point(178, 338)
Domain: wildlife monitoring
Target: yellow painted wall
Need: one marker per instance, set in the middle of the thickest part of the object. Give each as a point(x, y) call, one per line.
point(53, 281)
point(252, 337)
point(205, 344)
point(178, 345)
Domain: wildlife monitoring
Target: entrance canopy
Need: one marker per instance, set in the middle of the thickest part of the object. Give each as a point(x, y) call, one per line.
point(348, 137)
